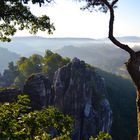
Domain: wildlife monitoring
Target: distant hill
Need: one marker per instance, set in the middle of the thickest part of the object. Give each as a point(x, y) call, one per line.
point(26, 46)
point(125, 39)
point(104, 56)
point(6, 57)
point(129, 39)
point(99, 52)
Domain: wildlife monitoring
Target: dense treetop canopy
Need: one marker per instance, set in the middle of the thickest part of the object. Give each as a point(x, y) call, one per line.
point(16, 15)
point(18, 122)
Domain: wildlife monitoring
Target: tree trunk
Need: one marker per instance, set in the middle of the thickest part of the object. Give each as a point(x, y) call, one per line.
point(133, 67)
point(138, 114)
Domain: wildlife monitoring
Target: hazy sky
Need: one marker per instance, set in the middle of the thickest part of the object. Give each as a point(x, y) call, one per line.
point(70, 21)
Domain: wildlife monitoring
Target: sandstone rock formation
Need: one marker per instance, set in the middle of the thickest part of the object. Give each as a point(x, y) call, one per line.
point(9, 95)
point(38, 87)
point(80, 92)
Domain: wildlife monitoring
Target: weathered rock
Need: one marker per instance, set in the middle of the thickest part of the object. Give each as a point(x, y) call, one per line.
point(80, 92)
point(77, 90)
point(9, 95)
point(38, 87)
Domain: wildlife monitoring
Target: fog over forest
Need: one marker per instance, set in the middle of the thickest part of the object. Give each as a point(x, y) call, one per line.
point(97, 52)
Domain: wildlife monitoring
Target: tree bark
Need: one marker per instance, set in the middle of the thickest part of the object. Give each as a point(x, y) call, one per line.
point(133, 67)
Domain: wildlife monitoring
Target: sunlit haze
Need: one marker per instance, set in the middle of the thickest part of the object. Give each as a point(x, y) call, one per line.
point(70, 21)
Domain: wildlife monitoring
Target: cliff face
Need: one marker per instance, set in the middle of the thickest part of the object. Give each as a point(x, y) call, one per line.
point(9, 95)
point(77, 91)
point(38, 87)
point(80, 92)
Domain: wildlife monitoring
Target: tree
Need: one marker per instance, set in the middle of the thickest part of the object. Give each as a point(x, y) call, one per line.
point(15, 15)
point(133, 64)
point(101, 136)
point(9, 74)
point(26, 67)
point(36, 61)
point(17, 122)
point(51, 62)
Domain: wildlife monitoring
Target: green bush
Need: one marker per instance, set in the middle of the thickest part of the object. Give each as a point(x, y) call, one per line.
point(17, 122)
point(101, 136)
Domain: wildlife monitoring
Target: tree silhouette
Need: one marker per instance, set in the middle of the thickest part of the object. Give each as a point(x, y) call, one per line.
point(133, 64)
point(16, 15)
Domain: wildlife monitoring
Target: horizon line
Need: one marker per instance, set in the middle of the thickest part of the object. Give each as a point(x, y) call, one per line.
point(73, 37)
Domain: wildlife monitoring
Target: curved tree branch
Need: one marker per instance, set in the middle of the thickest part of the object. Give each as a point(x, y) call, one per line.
point(111, 23)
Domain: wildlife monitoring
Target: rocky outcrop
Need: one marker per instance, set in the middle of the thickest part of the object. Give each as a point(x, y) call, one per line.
point(77, 90)
point(80, 92)
point(9, 95)
point(38, 87)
